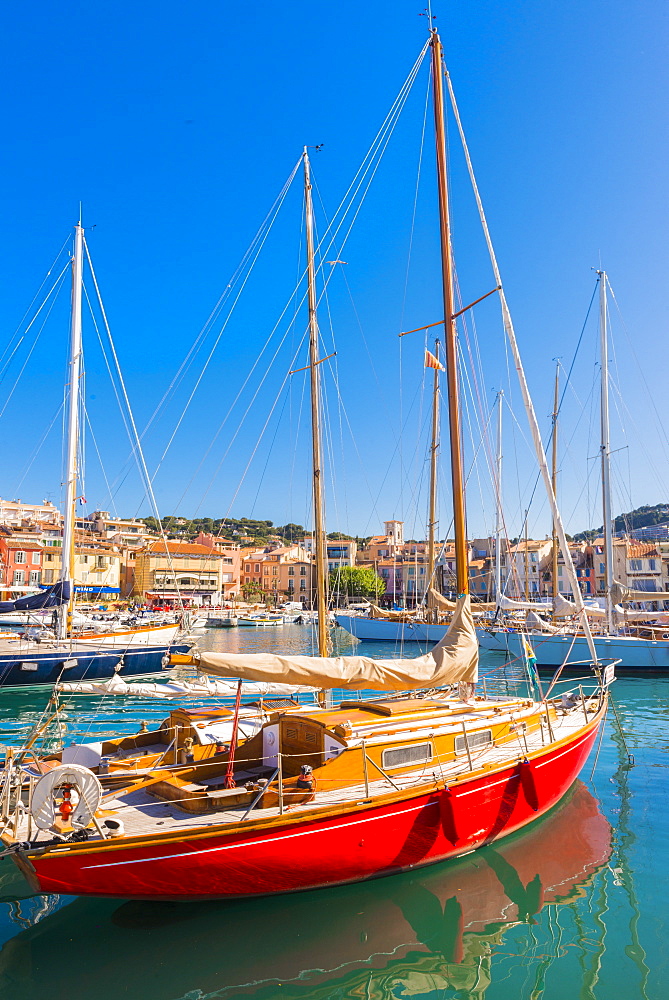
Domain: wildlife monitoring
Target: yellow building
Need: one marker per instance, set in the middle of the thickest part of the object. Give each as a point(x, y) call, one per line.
point(168, 571)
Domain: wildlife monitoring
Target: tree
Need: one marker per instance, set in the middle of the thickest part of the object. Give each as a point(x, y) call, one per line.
point(356, 581)
point(251, 589)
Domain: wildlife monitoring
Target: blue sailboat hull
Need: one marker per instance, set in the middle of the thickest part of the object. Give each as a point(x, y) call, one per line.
point(47, 667)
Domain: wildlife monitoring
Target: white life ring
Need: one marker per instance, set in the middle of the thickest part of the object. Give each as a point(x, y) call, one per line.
point(86, 789)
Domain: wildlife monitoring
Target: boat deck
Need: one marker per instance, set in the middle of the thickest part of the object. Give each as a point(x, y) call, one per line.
point(143, 813)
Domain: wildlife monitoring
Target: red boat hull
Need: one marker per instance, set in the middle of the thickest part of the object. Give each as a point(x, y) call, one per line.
point(360, 843)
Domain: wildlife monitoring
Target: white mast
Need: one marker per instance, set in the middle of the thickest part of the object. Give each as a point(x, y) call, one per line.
point(72, 439)
point(319, 518)
point(498, 524)
point(605, 449)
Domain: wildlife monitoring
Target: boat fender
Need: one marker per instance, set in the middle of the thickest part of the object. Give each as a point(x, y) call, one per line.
point(60, 783)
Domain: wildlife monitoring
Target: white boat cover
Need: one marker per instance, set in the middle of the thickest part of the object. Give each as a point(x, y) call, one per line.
point(506, 604)
point(537, 624)
point(454, 659)
point(204, 687)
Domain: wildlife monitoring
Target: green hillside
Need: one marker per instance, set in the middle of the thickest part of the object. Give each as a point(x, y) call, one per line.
point(642, 517)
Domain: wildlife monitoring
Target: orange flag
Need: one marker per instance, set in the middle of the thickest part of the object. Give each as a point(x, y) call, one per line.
point(432, 362)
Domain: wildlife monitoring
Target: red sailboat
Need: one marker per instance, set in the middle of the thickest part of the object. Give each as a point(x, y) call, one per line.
point(337, 794)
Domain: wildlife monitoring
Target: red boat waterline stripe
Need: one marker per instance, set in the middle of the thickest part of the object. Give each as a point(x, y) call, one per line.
point(253, 843)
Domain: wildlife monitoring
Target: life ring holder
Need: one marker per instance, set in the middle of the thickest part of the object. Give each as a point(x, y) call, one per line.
point(66, 779)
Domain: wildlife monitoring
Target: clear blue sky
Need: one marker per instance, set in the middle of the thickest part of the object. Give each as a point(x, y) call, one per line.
point(176, 126)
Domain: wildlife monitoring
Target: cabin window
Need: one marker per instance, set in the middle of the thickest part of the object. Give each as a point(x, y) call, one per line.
point(291, 734)
point(474, 740)
point(417, 754)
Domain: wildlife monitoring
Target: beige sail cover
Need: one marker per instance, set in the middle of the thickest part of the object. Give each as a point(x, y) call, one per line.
point(625, 595)
point(441, 601)
point(393, 616)
point(453, 659)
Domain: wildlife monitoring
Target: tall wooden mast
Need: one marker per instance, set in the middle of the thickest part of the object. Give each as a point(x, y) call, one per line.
point(498, 519)
point(72, 439)
point(319, 518)
point(555, 548)
point(457, 476)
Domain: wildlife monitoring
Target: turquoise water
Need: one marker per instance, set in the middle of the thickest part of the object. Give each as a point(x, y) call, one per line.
point(575, 906)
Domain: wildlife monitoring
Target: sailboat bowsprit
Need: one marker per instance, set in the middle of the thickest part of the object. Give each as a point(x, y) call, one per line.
point(327, 796)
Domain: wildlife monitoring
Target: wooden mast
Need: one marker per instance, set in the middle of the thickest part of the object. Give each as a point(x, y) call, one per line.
point(457, 476)
point(432, 512)
point(319, 519)
point(555, 549)
point(72, 439)
point(498, 518)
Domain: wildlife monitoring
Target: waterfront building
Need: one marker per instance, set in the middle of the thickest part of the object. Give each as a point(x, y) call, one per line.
point(167, 571)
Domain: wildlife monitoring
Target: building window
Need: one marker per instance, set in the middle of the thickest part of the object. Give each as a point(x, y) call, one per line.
point(651, 565)
point(48, 576)
point(602, 568)
point(303, 584)
point(257, 569)
point(34, 577)
point(20, 557)
point(635, 565)
point(248, 567)
point(84, 559)
point(101, 562)
point(19, 577)
point(291, 571)
point(291, 585)
point(303, 570)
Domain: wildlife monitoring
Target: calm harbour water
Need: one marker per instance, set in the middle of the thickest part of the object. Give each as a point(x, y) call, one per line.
point(575, 906)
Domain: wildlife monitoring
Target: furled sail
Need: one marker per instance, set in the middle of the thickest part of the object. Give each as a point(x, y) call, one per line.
point(441, 601)
point(563, 608)
point(54, 597)
point(537, 624)
point(506, 604)
point(625, 595)
point(454, 659)
point(393, 616)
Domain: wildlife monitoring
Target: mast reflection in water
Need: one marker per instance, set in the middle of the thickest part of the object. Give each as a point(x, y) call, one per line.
point(427, 934)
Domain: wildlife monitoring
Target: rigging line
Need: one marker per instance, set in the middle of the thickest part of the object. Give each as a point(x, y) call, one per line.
point(264, 228)
point(34, 298)
point(220, 333)
point(385, 134)
point(137, 442)
point(406, 275)
point(56, 286)
point(269, 454)
point(37, 337)
point(255, 448)
point(97, 452)
point(111, 376)
point(241, 423)
point(38, 448)
point(399, 102)
point(649, 394)
point(357, 316)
